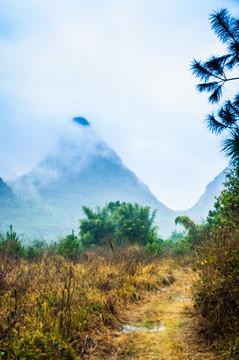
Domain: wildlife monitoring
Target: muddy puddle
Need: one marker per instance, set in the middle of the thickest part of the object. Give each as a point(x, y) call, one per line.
point(153, 327)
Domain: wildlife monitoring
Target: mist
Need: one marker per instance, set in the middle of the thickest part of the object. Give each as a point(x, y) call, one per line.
point(123, 66)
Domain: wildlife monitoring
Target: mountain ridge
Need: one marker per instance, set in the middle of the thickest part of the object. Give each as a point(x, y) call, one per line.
point(83, 170)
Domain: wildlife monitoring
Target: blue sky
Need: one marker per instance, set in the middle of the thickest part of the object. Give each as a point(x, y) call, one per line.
point(123, 65)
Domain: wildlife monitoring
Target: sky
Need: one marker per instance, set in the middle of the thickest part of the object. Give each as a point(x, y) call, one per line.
point(125, 66)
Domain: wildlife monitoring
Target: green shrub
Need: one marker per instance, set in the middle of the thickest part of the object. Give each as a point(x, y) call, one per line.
point(154, 245)
point(11, 245)
point(70, 247)
point(217, 292)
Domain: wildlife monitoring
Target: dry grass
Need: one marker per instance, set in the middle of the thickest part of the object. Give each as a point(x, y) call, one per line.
point(55, 309)
point(177, 341)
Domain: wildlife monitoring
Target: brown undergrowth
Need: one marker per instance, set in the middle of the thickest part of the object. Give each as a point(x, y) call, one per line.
point(55, 309)
point(216, 293)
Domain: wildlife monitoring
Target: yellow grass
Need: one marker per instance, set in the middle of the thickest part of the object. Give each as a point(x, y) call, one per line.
point(177, 341)
point(58, 310)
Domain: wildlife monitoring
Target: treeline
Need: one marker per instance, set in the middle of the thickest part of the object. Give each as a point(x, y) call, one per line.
point(115, 225)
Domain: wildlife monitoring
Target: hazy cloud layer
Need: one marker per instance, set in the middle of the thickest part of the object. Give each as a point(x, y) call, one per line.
point(124, 65)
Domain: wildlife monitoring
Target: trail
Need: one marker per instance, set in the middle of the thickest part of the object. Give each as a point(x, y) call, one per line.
point(162, 326)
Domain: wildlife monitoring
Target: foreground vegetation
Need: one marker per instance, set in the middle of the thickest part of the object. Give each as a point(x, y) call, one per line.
point(57, 309)
point(217, 293)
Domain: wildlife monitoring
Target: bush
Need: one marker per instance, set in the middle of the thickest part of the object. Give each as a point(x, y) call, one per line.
point(11, 245)
point(35, 250)
point(154, 245)
point(217, 292)
point(70, 247)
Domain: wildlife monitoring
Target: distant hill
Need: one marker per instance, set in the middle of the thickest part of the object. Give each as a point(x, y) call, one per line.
point(8, 204)
point(5, 191)
point(205, 203)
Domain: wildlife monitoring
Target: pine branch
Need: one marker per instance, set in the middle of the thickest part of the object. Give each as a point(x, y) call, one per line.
point(233, 62)
point(230, 147)
point(214, 76)
point(216, 95)
point(236, 101)
point(233, 48)
point(222, 25)
point(235, 28)
point(200, 71)
point(233, 108)
point(227, 118)
point(216, 64)
point(207, 87)
point(214, 125)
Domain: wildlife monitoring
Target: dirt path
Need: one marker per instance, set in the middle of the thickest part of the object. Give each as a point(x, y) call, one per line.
point(161, 327)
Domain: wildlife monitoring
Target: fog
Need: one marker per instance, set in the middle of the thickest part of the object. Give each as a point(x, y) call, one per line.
point(125, 67)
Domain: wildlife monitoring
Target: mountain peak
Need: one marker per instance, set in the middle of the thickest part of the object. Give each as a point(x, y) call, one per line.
point(81, 121)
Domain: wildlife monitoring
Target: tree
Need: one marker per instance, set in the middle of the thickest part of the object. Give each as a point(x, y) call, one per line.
point(176, 236)
point(215, 73)
point(135, 223)
point(117, 223)
point(11, 244)
point(195, 231)
point(98, 227)
point(216, 293)
point(225, 215)
point(70, 247)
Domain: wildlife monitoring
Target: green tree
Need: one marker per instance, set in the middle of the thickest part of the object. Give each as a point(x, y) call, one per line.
point(135, 223)
point(176, 236)
point(217, 291)
point(215, 73)
point(117, 223)
point(70, 247)
point(225, 214)
point(194, 231)
point(98, 227)
point(11, 244)
point(113, 206)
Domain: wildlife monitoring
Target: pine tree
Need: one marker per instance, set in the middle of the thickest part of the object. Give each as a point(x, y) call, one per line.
point(214, 74)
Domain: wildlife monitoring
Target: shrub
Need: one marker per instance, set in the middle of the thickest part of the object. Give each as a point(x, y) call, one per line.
point(70, 247)
point(155, 245)
point(217, 292)
point(11, 244)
